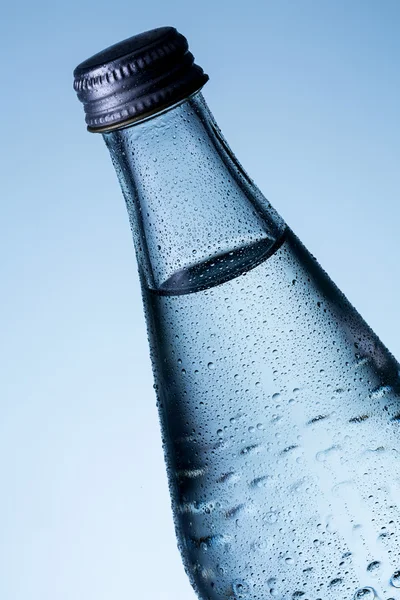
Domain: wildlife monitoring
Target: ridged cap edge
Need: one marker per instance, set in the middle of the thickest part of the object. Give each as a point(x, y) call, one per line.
point(136, 78)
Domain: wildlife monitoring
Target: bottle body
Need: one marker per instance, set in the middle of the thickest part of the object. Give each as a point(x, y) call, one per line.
point(280, 421)
point(279, 406)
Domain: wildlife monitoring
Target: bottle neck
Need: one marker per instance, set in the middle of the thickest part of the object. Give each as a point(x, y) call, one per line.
point(197, 218)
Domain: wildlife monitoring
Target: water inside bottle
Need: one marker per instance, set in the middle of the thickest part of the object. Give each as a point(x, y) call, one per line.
point(219, 268)
point(280, 417)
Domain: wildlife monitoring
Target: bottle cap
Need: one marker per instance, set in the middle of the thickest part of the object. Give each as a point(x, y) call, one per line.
point(136, 78)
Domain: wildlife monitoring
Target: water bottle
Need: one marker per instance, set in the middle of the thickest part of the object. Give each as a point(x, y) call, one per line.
point(279, 407)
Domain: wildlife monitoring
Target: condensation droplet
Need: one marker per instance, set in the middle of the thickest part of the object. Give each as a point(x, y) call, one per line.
point(240, 588)
point(271, 517)
point(365, 593)
point(373, 567)
point(395, 579)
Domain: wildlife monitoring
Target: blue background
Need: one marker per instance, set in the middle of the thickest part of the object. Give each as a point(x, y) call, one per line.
point(307, 93)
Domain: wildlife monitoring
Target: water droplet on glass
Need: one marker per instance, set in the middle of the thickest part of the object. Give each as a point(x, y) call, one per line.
point(323, 455)
point(395, 579)
point(271, 517)
point(365, 593)
point(240, 588)
point(211, 366)
point(373, 567)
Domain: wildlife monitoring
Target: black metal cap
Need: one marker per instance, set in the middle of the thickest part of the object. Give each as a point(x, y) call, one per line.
point(136, 78)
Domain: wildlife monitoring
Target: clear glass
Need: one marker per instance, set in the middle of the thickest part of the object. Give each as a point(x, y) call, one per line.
point(191, 205)
point(279, 407)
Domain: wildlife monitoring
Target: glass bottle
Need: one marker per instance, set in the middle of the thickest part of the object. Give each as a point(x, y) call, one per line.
point(279, 407)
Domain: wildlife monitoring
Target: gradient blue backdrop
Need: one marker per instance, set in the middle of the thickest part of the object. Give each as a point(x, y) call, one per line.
point(307, 92)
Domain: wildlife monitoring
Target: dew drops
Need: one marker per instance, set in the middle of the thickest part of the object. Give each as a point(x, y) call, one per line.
point(253, 449)
point(374, 567)
point(330, 524)
point(279, 452)
point(271, 517)
point(395, 579)
point(365, 593)
point(324, 455)
point(260, 482)
point(240, 588)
